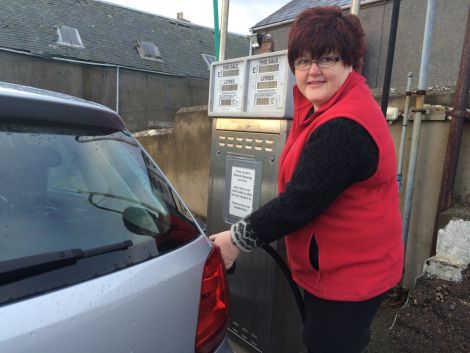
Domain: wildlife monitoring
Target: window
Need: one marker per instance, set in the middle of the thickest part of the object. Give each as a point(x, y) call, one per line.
point(71, 187)
point(69, 36)
point(208, 59)
point(148, 50)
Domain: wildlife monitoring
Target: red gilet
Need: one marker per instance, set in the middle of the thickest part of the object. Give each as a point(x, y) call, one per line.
point(360, 252)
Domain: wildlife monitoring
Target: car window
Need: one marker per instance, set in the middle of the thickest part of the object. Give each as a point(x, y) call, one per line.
point(69, 187)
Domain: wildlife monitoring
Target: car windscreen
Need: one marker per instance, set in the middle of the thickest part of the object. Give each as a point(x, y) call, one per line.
point(85, 190)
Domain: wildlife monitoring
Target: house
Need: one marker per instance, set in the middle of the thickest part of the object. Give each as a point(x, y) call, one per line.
point(144, 66)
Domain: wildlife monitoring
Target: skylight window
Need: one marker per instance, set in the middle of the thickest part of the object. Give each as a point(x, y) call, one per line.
point(69, 36)
point(208, 59)
point(148, 50)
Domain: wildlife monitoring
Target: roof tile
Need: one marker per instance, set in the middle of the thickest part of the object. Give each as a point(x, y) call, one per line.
point(295, 7)
point(109, 34)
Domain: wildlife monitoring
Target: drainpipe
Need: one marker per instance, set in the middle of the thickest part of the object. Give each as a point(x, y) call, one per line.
point(117, 89)
point(459, 113)
point(223, 32)
point(390, 55)
point(420, 93)
point(355, 7)
point(216, 29)
point(403, 130)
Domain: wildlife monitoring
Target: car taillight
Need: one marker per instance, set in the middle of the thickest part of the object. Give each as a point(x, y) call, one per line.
point(213, 305)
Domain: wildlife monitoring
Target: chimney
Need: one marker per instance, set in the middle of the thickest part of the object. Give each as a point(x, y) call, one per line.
point(267, 45)
point(179, 16)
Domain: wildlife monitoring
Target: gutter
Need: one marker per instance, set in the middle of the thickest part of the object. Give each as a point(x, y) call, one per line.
point(280, 23)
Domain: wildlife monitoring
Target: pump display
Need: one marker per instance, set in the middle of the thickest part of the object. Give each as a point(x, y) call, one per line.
point(258, 86)
point(251, 104)
point(228, 81)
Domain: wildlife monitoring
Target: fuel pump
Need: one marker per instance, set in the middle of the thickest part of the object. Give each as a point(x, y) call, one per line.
point(250, 101)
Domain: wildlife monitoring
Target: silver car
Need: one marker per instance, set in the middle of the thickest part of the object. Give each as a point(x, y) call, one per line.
point(98, 253)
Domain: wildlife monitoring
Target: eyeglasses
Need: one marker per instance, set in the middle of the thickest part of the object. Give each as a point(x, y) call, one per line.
point(322, 62)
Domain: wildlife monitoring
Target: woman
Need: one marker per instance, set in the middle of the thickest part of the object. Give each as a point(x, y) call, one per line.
point(338, 200)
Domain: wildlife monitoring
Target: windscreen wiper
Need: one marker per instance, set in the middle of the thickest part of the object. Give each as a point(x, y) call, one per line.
point(23, 267)
point(92, 194)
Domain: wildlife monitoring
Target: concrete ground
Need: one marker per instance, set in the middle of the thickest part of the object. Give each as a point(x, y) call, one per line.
point(236, 347)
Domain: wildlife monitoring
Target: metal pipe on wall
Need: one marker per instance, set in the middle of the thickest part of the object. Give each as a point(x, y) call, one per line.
point(403, 130)
point(459, 113)
point(355, 7)
point(390, 55)
point(117, 89)
point(216, 29)
point(420, 94)
point(224, 26)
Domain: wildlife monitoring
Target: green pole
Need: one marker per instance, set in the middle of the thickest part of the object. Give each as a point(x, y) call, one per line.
point(216, 29)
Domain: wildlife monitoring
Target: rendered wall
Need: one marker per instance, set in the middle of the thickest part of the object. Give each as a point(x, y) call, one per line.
point(146, 100)
point(183, 154)
point(151, 101)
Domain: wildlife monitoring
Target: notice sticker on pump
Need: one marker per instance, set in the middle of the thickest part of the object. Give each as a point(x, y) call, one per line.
point(241, 191)
point(242, 187)
point(228, 87)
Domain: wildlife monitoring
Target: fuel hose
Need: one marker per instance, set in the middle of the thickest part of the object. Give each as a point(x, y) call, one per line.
point(293, 286)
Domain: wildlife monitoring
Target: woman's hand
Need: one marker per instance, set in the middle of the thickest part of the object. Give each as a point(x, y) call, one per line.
point(229, 251)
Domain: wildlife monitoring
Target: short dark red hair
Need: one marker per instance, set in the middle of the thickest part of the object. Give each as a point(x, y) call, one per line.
point(323, 30)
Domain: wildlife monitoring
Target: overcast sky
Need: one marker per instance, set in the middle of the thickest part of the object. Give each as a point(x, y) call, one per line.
point(243, 14)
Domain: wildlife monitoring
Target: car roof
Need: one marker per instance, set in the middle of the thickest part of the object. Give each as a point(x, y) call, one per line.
point(24, 102)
